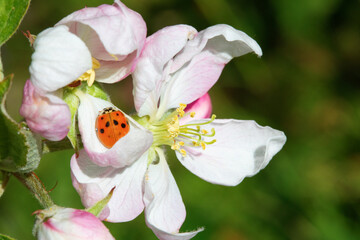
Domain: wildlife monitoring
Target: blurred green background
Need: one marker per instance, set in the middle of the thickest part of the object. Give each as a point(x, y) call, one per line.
point(306, 84)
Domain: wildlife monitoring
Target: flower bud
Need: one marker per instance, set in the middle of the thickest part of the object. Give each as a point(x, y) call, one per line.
point(45, 114)
point(57, 223)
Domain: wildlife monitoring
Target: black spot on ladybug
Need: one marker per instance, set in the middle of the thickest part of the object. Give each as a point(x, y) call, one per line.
point(107, 124)
point(123, 125)
point(117, 114)
point(102, 118)
point(102, 130)
point(116, 122)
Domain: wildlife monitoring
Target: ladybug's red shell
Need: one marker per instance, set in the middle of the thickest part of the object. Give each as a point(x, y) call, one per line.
point(110, 126)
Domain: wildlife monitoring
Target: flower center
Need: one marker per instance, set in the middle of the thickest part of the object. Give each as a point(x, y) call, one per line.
point(89, 75)
point(169, 131)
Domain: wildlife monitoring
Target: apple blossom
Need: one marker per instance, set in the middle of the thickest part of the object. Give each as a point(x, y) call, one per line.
point(93, 44)
point(57, 223)
point(177, 67)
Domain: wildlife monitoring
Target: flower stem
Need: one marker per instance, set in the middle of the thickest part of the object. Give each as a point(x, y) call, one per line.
point(33, 183)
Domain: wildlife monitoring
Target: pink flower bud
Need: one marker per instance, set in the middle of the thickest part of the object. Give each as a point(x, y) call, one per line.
point(68, 223)
point(202, 108)
point(45, 114)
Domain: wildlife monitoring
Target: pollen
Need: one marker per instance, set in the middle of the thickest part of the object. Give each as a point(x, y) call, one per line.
point(183, 152)
point(192, 114)
point(89, 75)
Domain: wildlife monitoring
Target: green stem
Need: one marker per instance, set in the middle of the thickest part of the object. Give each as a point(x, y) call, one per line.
point(33, 183)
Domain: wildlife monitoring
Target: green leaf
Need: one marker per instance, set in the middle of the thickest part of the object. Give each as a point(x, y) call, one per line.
point(73, 102)
point(99, 206)
point(4, 237)
point(96, 91)
point(19, 148)
point(11, 14)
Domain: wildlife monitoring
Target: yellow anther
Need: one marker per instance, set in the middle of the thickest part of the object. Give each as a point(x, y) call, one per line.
point(183, 152)
point(204, 131)
point(175, 146)
point(181, 143)
point(192, 114)
point(203, 145)
point(196, 144)
point(180, 110)
point(89, 75)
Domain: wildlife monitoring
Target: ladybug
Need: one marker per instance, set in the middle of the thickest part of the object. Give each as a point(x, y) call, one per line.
point(110, 126)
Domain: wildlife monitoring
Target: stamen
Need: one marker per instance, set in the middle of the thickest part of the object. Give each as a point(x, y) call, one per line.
point(202, 143)
point(183, 152)
point(192, 114)
point(89, 75)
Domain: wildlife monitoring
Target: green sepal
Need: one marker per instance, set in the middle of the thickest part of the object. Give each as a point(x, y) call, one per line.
point(11, 14)
point(100, 205)
point(19, 148)
point(73, 102)
point(4, 179)
point(4, 237)
point(96, 91)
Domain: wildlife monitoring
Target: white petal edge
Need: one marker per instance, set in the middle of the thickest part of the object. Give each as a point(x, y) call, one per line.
point(60, 57)
point(125, 151)
point(222, 40)
point(164, 209)
point(93, 183)
point(241, 150)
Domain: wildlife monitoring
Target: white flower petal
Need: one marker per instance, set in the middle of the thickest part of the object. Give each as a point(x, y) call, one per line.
point(164, 208)
point(93, 183)
point(162, 235)
point(108, 30)
point(192, 81)
point(125, 151)
point(223, 41)
point(242, 149)
point(149, 75)
point(60, 57)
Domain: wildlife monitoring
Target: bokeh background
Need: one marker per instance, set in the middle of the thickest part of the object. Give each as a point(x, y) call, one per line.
point(306, 84)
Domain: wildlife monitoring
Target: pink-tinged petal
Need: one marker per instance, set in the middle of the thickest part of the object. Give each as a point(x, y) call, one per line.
point(113, 71)
point(73, 224)
point(113, 33)
point(150, 72)
point(93, 183)
point(223, 41)
point(192, 81)
point(201, 107)
point(45, 114)
point(164, 208)
point(125, 151)
point(60, 57)
point(242, 149)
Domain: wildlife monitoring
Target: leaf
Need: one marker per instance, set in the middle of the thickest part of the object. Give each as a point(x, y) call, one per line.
point(96, 91)
point(4, 237)
point(73, 102)
point(11, 14)
point(19, 148)
point(97, 208)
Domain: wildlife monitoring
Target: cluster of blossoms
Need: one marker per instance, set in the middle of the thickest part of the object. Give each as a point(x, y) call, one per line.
point(172, 71)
